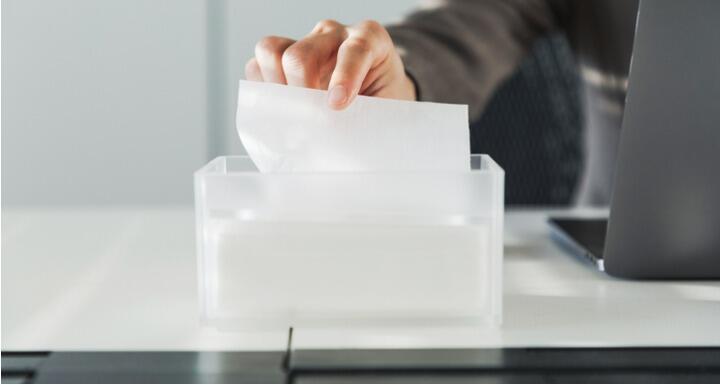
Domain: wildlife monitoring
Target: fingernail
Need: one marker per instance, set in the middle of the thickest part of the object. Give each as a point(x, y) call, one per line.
point(338, 96)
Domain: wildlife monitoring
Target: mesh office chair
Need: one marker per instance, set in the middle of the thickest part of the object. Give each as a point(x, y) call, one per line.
point(532, 128)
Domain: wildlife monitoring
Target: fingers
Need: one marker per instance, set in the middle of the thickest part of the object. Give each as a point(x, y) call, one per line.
point(252, 71)
point(268, 54)
point(345, 60)
point(310, 61)
point(367, 45)
point(307, 63)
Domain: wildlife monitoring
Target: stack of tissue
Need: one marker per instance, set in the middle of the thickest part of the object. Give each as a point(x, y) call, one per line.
point(382, 236)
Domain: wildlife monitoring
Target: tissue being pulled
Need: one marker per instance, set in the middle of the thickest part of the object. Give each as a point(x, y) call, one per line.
point(291, 129)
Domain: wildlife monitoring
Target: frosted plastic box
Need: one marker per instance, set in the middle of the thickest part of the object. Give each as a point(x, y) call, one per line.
point(414, 248)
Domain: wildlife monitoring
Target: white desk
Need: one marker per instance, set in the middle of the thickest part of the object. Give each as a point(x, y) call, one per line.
point(124, 279)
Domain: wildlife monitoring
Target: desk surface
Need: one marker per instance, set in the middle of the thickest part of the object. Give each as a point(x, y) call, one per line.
point(124, 279)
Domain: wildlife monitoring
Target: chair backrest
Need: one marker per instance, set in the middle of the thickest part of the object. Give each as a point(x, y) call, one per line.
point(533, 127)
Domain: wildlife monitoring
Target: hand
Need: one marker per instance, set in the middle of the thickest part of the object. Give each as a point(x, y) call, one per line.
point(346, 60)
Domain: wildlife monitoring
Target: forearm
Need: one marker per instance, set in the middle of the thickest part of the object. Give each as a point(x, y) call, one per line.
point(462, 50)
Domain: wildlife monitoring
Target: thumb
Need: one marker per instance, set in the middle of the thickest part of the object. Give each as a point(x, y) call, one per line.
point(354, 60)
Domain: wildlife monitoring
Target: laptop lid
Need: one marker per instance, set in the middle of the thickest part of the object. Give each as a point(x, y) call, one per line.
point(665, 210)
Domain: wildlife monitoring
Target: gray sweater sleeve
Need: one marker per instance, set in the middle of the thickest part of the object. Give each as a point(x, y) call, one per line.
point(459, 51)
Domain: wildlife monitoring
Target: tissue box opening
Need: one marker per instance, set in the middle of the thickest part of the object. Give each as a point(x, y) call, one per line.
point(280, 250)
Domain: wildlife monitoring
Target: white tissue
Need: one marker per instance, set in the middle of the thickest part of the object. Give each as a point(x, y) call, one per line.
point(292, 129)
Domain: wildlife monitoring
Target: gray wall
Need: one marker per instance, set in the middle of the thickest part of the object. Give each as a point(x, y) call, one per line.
point(103, 101)
point(119, 101)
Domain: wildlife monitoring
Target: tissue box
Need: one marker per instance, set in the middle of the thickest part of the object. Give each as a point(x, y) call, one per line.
point(368, 248)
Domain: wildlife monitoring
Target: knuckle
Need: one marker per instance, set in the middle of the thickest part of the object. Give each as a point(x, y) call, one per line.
point(269, 45)
point(297, 57)
point(372, 27)
point(358, 44)
point(327, 24)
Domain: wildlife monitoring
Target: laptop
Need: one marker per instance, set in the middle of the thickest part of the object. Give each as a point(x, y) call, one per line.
point(664, 219)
